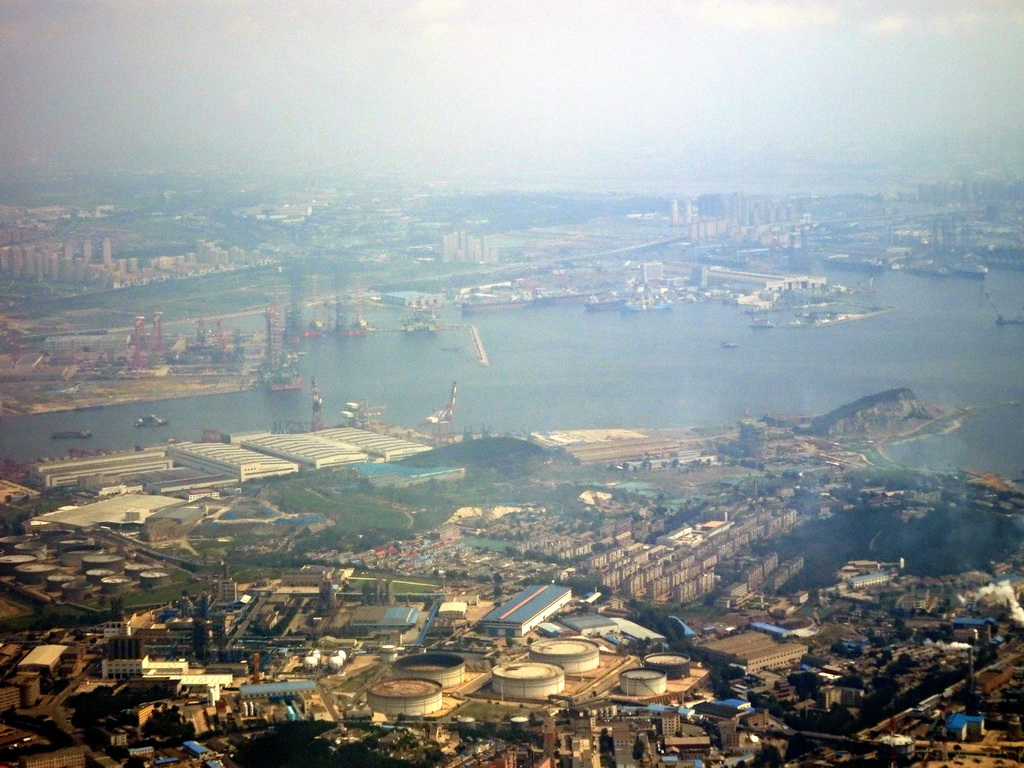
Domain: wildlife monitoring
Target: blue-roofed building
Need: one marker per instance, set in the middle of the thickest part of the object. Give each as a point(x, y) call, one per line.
point(962, 727)
point(770, 629)
point(551, 629)
point(286, 689)
point(384, 618)
point(687, 630)
point(526, 611)
point(195, 749)
point(724, 708)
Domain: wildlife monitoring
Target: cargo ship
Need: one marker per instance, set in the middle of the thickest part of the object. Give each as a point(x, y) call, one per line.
point(646, 303)
point(762, 324)
point(603, 304)
point(499, 305)
point(151, 421)
point(71, 434)
point(559, 299)
point(969, 270)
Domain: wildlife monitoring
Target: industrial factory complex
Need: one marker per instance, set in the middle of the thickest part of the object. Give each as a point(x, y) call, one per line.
point(219, 463)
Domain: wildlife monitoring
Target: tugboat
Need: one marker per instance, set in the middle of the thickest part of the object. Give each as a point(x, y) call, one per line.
point(151, 421)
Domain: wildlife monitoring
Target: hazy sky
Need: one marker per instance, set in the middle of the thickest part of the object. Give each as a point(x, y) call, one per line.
point(450, 86)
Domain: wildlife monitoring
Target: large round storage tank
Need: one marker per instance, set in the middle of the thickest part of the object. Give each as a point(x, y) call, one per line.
point(115, 585)
point(643, 682)
point(34, 573)
point(405, 697)
point(572, 655)
point(30, 547)
point(674, 665)
point(153, 579)
point(8, 543)
point(448, 669)
point(530, 680)
point(134, 568)
point(895, 743)
point(75, 590)
point(72, 558)
point(96, 575)
point(10, 563)
point(66, 545)
point(56, 581)
point(106, 560)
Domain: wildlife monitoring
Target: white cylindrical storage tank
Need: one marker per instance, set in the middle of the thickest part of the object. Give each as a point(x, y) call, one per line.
point(572, 655)
point(337, 661)
point(34, 573)
point(72, 558)
point(675, 665)
point(96, 575)
point(643, 682)
point(10, 563)
point(75, 590)
point(115, 585)
point(388, 654)
point(55, 581)
point(448, 669)
point(103, 560)
point(153, 579)
point(405, 697)
point(895, 743)
point(312, 662)
point(530, 680)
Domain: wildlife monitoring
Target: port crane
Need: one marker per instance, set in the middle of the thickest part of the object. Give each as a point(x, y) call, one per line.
point(441, 420)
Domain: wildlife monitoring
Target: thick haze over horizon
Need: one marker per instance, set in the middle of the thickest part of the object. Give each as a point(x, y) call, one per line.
point(516, 87)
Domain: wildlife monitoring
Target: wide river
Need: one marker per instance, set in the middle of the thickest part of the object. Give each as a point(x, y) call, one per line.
point(561, 367)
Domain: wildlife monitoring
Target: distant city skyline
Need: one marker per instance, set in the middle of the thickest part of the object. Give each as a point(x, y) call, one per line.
point(519, 89)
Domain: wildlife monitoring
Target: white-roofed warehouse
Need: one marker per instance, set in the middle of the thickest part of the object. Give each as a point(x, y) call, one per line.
point(220, 458)
point(308, 449)
point(381, 447)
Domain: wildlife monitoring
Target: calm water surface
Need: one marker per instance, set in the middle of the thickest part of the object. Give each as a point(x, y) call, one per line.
point(561, 367)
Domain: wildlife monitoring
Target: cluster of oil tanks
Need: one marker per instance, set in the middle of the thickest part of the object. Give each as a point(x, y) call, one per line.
point(418, 680)
point(417, 683)
point(544, 673)
point(317, 660)
point(652, 678)
point(74, 568)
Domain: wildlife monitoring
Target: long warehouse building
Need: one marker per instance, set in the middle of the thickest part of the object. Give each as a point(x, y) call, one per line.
point(220, 458)
point(64, 472)
point(307, 449)
point(524, 612)
point(380, 447)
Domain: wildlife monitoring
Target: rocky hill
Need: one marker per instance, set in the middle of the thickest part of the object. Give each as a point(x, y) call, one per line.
point(874, 413)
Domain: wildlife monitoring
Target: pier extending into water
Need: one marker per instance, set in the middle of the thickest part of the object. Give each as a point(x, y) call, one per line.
point(478, 345)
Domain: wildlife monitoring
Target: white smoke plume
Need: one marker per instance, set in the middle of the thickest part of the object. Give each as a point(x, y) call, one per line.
point(947, 646)
point(1002, 592)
